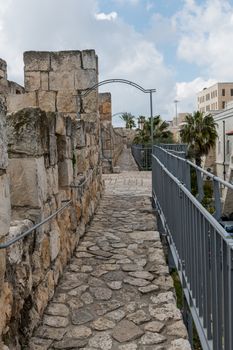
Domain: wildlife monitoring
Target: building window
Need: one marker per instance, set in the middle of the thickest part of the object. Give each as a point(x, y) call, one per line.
point(216, 105)
point(223, 104)
point(207, 97)
point(208, 108)
point(231, 92)
point(223, 92)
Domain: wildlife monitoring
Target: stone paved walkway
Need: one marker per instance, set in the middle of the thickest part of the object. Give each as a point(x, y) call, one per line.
point(117, 293)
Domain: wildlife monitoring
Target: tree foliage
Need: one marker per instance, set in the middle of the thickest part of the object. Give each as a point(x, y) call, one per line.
point(129, 120)
point(161, 134)
point(199, 132)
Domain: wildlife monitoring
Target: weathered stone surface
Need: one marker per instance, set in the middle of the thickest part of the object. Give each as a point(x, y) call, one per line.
point(3, 141)
point(102, 324)
point(148, 289)
point(131, 267)
point(81, 316)
point(5, 206)
point(87, 298)
point(116, 315)
point(138, 282)
point(36, 61)
point(180, 344)
point(168, 311)
point(142, 274)
point(50, 332)
point(150, 338)
point(139, 317)
point(177, 329)
point(78, 332)
point(57, 309)
point(154, 326)
point(28, 184)
point(115, 285)
point(129, 346)
point(55, 321)
point(125, 331)
point(101, 293)
point(70, 343)
point(162, 298)
point(102, 340)
point(145, 235)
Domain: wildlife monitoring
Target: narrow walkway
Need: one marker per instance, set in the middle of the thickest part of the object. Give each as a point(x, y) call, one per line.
point(116, 294)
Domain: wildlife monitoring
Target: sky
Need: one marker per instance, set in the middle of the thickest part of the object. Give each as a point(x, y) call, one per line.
point(177, 47)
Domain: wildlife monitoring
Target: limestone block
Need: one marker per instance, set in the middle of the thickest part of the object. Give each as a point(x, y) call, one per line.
point(89, 59)
point(15, 252)
point(69, 126)
point(2, 74)
point(85, 79)
point(36, 61)
point(90, 103)
point(60, 124)
point(64, 148)
point(5, 206)
point(47, 101)
point(28, 132)
point(89, 117)
point(3, 68)
point(28, 183)
point(54, 237)
point(3, 142)
point(65, 61)
point(44, 79)
point(17, 102)
point(60, 81)
point(6, 302)
point(32, 81)
point(78, 134)
point(65, 172)
point(52, 180)
point(67, 102)
point(81, 161)
point(52, 150)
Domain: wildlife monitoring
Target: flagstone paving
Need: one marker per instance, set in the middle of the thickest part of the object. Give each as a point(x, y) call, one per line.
point(117, 293)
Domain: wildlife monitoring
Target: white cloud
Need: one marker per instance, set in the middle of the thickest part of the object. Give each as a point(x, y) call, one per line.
point(106, 17)
point(123, 52)
point(186, 92)
point(206, 37)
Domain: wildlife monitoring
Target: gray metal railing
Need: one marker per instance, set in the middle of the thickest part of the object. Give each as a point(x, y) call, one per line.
point(202, 251)
point(181, 168)
point(142, 156)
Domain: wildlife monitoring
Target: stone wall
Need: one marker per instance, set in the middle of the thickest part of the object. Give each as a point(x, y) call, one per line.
point(54, 157)
point(111, 142)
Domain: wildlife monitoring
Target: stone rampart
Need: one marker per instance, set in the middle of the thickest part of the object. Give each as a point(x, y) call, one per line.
point(54, 157)
point(111, 142)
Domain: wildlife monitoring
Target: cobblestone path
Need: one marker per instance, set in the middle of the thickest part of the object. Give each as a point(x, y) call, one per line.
point(126, 161)
point(117, 293)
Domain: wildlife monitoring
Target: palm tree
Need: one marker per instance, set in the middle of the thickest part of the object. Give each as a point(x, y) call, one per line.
point(160, 132)
point(199, 132)
point(129, 120)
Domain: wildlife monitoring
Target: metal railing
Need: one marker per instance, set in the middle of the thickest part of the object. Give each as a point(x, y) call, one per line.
point(202, 251)
point(181, 168)
point(142, 156)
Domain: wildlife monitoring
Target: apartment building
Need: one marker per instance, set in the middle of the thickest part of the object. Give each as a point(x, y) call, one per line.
point(215, 97)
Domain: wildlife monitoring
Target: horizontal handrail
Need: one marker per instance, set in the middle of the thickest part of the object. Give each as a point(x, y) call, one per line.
point(26, 233)
point(81, 184)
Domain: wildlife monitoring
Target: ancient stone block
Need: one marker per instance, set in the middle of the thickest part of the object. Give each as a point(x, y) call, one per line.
point(44, 80)
point(60, 124)
point(3, 68)
point(47, 101)
point(54, 237)
point(18, 102)
point(28, 183)
point(85, 79)
point(89, 59)
point(36, 61)
point(60, 81)
point(90, 103)
point(65, 61)
point(52, 180)
point(78, 134)
point(28, 132)
point(67, 102)
point(3, 142)
point(64, 148)
point(5, 206)
point(65, 171)
point(32, 81)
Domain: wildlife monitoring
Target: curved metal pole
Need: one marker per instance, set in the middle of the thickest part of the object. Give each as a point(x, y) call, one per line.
point(123, 81)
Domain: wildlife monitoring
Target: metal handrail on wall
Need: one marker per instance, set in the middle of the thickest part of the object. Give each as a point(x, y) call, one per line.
point(68, 202)
point(202, 251)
